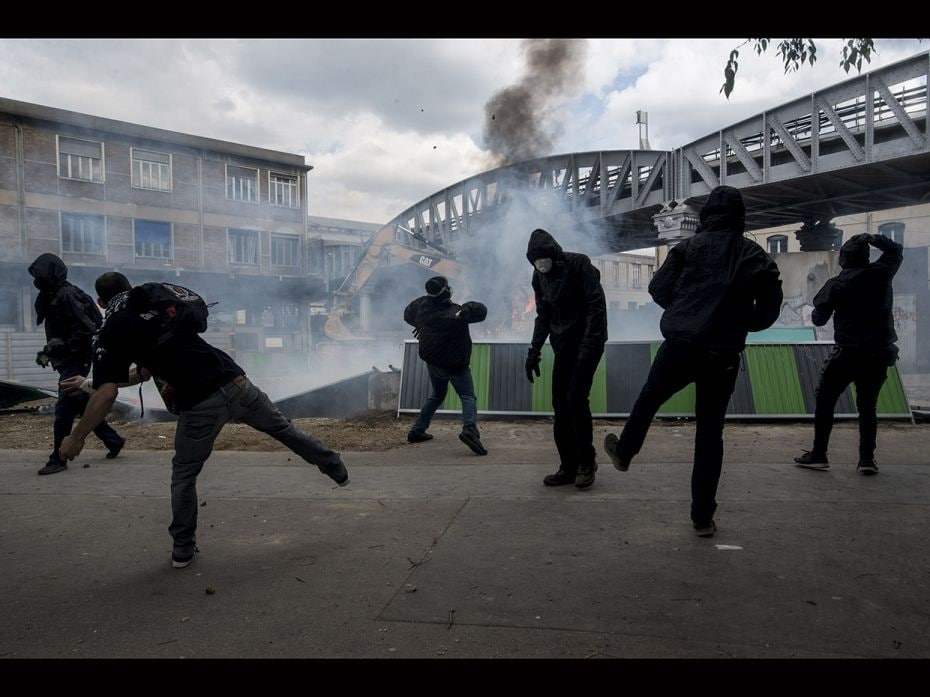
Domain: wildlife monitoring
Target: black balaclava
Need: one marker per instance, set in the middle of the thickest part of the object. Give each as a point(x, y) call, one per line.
point(542, 245)
point(724, 210)
point(854, 253)
point(437, 286)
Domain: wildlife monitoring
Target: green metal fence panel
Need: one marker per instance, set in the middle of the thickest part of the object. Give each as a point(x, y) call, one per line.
point(598, 396)
point(775, 381)
point(480, 369)
point(773, 374)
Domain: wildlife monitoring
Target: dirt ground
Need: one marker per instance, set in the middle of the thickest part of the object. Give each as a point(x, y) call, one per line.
point(30, 430)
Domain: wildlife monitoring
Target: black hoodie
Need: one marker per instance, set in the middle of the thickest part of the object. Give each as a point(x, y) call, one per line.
point(69, 314)
point(442, 329)
point(717, 286)
point(861, 297)
point(570, 304)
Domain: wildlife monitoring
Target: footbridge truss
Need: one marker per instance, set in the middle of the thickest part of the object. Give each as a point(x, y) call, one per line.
point(860, 145)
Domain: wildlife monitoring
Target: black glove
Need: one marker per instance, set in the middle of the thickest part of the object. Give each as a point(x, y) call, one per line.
point(464, 314)
point(532, 363)
point(416, 332)
point(43, 359)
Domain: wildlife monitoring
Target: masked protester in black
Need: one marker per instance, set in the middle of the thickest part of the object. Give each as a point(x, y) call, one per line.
point(860, 300)
point(715, 287)
point(441, 327)
point(71, 319)
point(572, 313)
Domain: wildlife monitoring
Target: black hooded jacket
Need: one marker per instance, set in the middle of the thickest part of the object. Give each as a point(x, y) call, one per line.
point(444, 339)
point(570, 304)
point(68, 313)
point(860, 297)
point(717, 286)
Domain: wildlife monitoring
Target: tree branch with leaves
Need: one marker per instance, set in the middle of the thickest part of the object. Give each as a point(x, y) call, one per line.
point(796, 52)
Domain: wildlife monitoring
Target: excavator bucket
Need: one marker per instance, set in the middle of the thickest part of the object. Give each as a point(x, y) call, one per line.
point(336, 330)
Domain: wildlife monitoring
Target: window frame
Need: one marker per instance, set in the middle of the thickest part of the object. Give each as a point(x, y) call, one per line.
point(776, 239)
point(258, 193)
point(58, 160)
point(283, 236)
point(230, 232)
point(897, 229)
point(61, 232)
point(272, 188)
point(135, 248)
point(132, 170)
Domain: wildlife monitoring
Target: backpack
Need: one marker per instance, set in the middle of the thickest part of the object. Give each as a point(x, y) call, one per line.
point(180, 310)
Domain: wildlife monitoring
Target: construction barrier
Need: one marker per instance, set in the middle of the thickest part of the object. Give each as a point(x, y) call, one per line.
point(776, 381)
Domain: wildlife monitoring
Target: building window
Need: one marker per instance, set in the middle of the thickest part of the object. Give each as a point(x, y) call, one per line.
point(282, 190)
point(243, 246)
point(637, 275)
point(80, 159)
point(778, 244)
point(242, 184)
point(153, 239)
point(151, 170)
point(340, 260)
point(285, 250)
point(893, 231)
point(82, 234)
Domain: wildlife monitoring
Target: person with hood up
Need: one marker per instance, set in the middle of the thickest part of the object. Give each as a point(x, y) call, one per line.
point(715, 288)
point(209, 390)
point(571, 312)
point(860, 299)
point(441, 328)
point(71, 319)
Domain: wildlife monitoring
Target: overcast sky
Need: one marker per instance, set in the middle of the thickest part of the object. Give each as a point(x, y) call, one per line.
point(387, 122)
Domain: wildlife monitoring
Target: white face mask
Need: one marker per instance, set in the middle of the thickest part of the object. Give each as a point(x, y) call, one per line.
point(543, 265)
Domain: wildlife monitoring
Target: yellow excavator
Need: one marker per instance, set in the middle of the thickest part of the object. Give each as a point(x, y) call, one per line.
point(378, 253)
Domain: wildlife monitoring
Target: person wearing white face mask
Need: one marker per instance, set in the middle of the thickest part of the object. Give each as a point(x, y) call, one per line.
point(572, 313)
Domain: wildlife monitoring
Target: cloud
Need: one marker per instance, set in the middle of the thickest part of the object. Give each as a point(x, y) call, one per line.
point(387, 122)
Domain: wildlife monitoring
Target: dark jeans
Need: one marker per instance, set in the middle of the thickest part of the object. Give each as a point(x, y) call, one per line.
point(572, 430)
point(196, 432)
point(439, 379)
point(714, 374)
point(69, 407)
point(868, 371)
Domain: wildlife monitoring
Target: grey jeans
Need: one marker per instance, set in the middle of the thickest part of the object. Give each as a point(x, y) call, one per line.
point(196, 432)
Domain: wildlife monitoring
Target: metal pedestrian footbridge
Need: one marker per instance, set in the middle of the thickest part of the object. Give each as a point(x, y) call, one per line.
point(857, 146)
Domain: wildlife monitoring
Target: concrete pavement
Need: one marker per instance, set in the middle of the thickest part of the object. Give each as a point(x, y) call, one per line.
point(433, 552)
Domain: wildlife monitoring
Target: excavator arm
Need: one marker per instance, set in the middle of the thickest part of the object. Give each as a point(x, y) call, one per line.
point(377, 254)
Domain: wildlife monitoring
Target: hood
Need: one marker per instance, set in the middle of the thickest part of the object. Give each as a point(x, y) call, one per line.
point(542, 245)
point(48, 271)
point(724, 210)
point(855, 252)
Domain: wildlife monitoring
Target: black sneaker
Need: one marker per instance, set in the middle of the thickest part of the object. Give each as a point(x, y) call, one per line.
point(812, 461)
point(182, 558)
point(705, 530)
point(559, 478)
point(338, 473)
point(471, 439)
point(114, 451)
point(621, 464)
point(53, 467)
point(585, 476)
point(867, 467)
point(418, 436)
